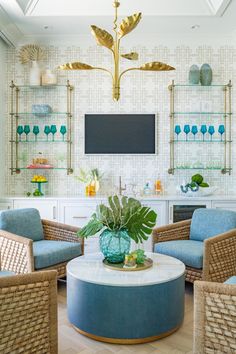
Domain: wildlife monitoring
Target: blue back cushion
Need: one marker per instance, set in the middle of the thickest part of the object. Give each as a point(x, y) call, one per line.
point(22, 222)
point(211, 222)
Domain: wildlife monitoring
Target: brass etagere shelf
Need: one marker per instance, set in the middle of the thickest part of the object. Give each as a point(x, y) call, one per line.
point(16, 116)
point(227, 116)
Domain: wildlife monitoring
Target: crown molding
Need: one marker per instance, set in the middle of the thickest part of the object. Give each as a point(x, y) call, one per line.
point(218, 7)
point(9, 32)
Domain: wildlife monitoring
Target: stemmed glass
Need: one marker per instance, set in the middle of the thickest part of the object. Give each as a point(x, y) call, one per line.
point(36, 131)
point(203, 130)
point(53, 130)
point(63, 131)
point(221, 130)
point(26, 131)
point(47, 130)
point(211, 130)
point(187, 130)
point(194, 131)
point(20, 130)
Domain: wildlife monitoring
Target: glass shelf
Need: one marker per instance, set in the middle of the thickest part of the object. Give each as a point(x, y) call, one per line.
point(204, 113)
point(201, 141)
point(41, 141)
point(199, 168)
point(205, 86)
point(39, 114)
point(39, 86)
point(53, 168)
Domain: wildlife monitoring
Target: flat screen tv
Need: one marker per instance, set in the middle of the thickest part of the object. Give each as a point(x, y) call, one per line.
point(120, 134)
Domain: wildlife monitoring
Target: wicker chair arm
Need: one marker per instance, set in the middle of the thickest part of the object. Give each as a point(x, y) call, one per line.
point(61, 232)
point(28, 312)
point(176, 231)
point(219, 261)
point(16, 253)
point(213, 304)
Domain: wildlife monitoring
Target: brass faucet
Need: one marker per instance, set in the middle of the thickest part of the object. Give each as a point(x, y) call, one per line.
point(121, 189)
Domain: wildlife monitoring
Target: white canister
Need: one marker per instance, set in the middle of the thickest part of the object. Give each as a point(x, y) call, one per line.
point(35, 74)
point(49, 78)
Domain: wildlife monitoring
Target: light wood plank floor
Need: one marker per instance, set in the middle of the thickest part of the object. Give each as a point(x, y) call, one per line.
point(71, 342)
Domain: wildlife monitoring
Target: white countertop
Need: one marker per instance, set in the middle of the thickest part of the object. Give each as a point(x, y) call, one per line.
point(148, 198)
point(89, 268)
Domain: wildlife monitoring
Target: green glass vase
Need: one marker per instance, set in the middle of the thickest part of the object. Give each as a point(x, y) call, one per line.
point(114, 245)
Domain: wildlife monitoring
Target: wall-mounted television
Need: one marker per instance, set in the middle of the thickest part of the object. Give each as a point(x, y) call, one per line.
point(120, 134)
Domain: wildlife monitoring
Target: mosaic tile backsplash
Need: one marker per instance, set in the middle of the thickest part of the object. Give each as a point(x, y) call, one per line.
point(141, 92)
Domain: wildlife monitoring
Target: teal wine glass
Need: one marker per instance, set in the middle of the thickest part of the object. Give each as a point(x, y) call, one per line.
point(53, 131)
point(26, 131)
point(47, 130)
point(211, 130)
point(203, 130)
point(194, 131)
point(187, 130)
point(20, 131)
point(63, 131)
point(221, 130)
point(36, 131)
point(177, 131)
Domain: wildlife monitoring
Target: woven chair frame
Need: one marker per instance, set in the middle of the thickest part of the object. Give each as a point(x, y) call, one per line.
point(219, 255)
point(214, 318)
point(17, 252)
point(28, 314)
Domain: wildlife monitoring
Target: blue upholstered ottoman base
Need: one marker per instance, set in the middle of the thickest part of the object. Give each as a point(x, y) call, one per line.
point(133, 314)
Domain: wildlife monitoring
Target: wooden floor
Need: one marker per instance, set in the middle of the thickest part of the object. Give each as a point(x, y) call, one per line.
point(71, 342)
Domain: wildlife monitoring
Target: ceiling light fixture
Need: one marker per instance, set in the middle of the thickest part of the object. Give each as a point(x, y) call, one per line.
point(105, 39)
point(195, 27)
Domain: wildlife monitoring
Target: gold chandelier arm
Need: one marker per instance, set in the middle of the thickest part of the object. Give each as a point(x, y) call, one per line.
point(103, 69)
point(125, 71)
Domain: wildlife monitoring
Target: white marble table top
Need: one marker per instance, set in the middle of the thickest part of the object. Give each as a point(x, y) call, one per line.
point(89, 268)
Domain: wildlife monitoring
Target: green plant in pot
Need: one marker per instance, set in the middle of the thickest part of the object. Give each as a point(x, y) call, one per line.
point(120, 221)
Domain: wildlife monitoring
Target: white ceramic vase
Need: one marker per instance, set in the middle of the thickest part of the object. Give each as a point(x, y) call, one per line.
point(35, 74)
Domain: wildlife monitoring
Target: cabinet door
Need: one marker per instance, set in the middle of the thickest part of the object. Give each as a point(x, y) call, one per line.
point(5, 205)
point(78, 214)
point(224, 205)
point(160, 207)
point(46, 208)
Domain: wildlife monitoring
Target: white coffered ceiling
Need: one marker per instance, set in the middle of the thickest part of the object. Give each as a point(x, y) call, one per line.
point(37, 18)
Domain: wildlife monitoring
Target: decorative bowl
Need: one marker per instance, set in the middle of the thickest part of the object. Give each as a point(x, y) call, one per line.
point(202, 192)
point(41, 109)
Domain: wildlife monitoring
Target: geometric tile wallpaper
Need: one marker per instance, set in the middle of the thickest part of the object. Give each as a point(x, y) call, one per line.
point(141, 92)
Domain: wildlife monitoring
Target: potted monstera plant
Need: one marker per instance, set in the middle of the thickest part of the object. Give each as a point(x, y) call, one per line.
point(121, 220)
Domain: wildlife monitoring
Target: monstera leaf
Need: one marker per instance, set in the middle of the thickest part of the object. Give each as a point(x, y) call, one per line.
point(102, 37)
point(75, 66)
point(93, 226)
point(130, 56)
point(156, 66)
point(125, 213)
point(128, 24)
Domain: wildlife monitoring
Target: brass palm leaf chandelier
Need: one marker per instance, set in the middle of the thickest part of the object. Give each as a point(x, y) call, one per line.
point(105, 39)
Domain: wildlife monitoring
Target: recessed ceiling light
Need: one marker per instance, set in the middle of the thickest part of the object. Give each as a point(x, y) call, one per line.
point(46, 27)
point(195, 27)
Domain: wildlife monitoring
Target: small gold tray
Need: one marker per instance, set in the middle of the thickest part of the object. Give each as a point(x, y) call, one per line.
point(148, 263)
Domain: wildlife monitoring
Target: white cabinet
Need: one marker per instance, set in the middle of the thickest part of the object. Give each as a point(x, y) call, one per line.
point(224, 205)
point(5, 205)
point(78, 214)
point(47, 208)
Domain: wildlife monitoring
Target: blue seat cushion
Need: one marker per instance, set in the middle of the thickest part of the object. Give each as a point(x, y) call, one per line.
point(188, 251)
point(48, 253)
point(211, 222)
point(22, 222)
point(6, 273)
point(231, 280)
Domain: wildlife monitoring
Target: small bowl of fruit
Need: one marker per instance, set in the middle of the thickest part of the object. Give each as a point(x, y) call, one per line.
point(39, 180)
